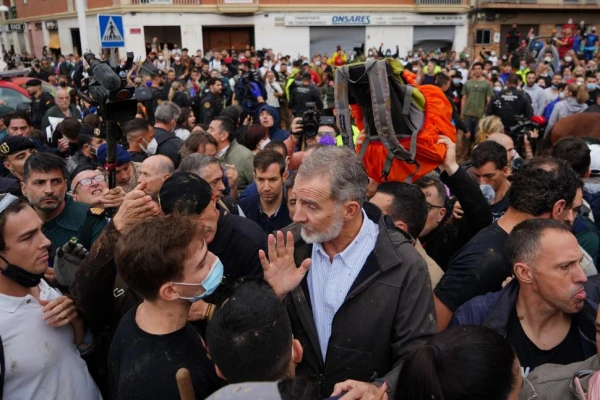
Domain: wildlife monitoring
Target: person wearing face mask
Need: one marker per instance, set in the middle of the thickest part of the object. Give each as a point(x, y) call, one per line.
point(153, 81)
point(233, 239)
point(573, 101)
point(89, 139)
point(549, 56)
point(591, 84)
point(160, 63)
point(388, 52)
point(156, 332)
point(140, 137)
point(34, 317)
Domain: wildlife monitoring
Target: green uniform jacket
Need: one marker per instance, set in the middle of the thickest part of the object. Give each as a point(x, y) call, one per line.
point(77, 220)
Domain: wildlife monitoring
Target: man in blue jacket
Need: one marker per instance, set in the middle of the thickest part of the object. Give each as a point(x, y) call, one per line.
point(543, 312)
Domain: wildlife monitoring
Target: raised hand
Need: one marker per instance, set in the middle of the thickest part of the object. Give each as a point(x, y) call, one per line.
point(280, 270)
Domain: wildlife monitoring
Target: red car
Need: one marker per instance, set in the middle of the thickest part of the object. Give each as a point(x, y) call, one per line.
point(13, 91)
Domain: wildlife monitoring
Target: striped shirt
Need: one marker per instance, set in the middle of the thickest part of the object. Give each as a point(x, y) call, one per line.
point(329, 282)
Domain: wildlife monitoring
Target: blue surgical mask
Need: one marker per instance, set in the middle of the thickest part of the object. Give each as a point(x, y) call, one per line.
point(497, 89)
point(591, 86)
point(456, 81)
point(148, 83)
point(210, 283)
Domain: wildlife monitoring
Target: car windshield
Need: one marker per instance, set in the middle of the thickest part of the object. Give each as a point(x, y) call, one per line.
point(12, 98)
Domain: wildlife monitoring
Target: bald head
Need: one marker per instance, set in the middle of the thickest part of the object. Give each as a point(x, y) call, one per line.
point(62, 99)
point(506, 141)
point(154, 171)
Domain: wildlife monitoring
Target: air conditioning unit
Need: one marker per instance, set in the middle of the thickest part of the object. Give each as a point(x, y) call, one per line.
point(52, 25)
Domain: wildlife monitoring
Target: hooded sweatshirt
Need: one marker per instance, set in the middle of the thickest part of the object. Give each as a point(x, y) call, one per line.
point(275, 132)
point(564, 108)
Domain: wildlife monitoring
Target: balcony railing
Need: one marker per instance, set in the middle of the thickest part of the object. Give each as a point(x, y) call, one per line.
point(439, 2)
point(543, 2)
point(162, 2)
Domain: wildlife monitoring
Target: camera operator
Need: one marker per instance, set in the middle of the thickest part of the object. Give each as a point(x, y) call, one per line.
point(306, 132)
point(249, 91)
point(305, 93)
point(510, 104)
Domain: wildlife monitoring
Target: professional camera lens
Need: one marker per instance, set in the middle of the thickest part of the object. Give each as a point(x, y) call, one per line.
point(310, 124)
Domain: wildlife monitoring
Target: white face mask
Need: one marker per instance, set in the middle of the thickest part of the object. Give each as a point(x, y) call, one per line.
point(317, 63)
point(263, 143)
point(568, 59)
point(160, 58)
point(150, 148)
point(177, 58)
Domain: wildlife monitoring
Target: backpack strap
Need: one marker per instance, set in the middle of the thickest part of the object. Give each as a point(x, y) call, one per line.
point(342, 107)
point(382, 117)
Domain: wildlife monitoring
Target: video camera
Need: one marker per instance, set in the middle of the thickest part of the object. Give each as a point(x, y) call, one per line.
point(523, 128)
point(312, 119)
point(106, 88)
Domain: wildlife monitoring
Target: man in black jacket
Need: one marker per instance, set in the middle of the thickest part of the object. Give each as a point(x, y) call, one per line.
point(166, 120)
point(304, 93)
point(440, 240)
point(510, 104)
point(367, 298)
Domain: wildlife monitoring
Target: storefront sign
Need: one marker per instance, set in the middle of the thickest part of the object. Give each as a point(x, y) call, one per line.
point(11, 28)
point(157, 2)
point(405, 19)
point(135, 31)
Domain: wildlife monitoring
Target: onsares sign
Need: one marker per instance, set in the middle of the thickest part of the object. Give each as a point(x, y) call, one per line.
point(401, 19)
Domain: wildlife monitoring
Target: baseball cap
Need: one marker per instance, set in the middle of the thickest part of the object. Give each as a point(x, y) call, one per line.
point(91, 131)
point(33, 82)
point(123, 157)
point(14, 144)
point(186, 193)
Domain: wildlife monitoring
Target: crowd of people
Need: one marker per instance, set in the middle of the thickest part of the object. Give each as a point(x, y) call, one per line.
point(244, 252)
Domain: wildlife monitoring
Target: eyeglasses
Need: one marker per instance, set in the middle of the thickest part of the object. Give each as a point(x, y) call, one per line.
point(430, 206)
point(88, 181)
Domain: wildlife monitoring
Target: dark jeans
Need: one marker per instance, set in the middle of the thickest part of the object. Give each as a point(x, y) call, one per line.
point(471, 124)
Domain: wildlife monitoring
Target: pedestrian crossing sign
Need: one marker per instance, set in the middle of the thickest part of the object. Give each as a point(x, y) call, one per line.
point(111, 31)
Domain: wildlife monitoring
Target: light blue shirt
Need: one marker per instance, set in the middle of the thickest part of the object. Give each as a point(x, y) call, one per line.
point(329, 282)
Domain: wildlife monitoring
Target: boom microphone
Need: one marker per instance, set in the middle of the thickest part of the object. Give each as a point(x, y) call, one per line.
point(103, 73)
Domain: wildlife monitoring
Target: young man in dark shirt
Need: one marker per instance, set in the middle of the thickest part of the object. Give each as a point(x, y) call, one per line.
point(543, 188)
point(543, 312)
point(269, 207)
point(490, 166)
point(154, 339)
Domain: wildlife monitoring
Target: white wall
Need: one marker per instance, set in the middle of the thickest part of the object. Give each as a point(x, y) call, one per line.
point(64, 32)
point(287, 40)
point(390, 36)
point(461, 37)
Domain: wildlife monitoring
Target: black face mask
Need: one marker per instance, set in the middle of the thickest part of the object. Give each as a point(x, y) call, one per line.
point(73, 148)
point(19, 275)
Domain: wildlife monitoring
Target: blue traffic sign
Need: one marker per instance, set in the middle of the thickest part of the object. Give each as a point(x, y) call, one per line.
point(111, 31)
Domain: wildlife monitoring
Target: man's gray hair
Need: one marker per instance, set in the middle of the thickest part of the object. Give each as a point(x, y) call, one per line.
point(344, 170)
point(166, 112)
point(194, 163)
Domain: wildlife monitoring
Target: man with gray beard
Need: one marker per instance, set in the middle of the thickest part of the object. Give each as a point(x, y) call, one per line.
point(367, 298)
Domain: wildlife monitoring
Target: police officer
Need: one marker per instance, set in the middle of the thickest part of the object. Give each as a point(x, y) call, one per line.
point(510, 104)
point(45, 186)
point(212, 102)
point(40, 101)
point(158, 96)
